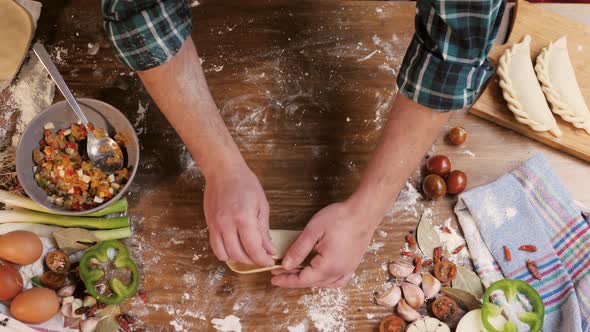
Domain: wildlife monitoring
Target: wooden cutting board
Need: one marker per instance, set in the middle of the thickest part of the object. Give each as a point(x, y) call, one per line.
point(543, 26)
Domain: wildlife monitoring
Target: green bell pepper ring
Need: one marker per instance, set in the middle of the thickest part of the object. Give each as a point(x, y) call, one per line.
point(534, 318)
point(92, 274)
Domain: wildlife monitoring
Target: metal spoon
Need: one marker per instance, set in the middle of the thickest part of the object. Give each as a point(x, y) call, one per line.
point(101, 151)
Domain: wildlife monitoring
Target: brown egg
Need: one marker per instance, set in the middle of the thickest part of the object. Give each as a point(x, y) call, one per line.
point(11, 282)
point(20, 247)
point(35, 305)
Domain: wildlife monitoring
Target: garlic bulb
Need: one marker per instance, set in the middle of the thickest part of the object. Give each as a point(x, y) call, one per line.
point(413, 295)
point(400, 270)
point(390, 297)
point(406, 312)
point(430, 285)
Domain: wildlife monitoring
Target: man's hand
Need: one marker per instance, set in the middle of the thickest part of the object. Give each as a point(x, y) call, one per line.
point(340, 237)
point(237, 211)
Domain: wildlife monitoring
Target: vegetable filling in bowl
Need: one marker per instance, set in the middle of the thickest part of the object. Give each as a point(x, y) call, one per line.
point(63, 169)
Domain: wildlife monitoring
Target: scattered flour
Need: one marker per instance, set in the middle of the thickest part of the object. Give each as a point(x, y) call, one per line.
point(140, 123)
point(301, 327)
point(407, 200)
point(326, 309)
point(452, 241)
point(468, 153)
point(381, 233)
point(375, 246)
point(33, 92)
point(370, 316)
point(230, 323)
point(194, 3)
point(368, 56)
point(177, 326)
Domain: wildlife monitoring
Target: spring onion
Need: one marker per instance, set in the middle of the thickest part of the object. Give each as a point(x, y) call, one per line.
point(10, 199)
point(26, 216)
point(74, 239)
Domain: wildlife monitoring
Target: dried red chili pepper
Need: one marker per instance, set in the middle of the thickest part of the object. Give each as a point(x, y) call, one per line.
point(411, 241)
point(507, 254)
point(446, 230)
point(408, 254)
point(458, 249)
point(123, 323)
point(533, 269)
point(417, 264)
point(437, 254)
point(528, 248)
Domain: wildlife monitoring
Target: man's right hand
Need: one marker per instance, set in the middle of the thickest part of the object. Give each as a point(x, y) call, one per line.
point(237, 212)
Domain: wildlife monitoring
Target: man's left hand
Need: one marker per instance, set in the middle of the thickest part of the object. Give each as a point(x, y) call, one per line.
point(340, 236)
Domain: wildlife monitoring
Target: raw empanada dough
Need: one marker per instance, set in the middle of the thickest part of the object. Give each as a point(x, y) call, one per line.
point(282, 240)
point(16, 30)
point(522, 91)
point(558, 81)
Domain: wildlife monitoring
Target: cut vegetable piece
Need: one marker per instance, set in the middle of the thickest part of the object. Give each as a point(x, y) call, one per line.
point(25, 216)
point(558, 81)
point(471, 322)
point(75, 239)
point(427, 236)
point(522, 91)
point(428, 324)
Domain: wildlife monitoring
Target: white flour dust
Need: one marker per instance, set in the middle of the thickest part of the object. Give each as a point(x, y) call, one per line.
point(301, 327)
point(230, 323)
point(140, 123)
point(327, 309)
point(32, 92)
point(468, 153)
point(408, 200)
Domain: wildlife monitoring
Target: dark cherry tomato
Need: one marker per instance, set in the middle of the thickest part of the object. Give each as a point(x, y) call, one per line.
point(58, 262)
point(53, 280)
point(439, 165)
point(434, 186)
point(456, 182)
point(392, 323)
point(445, 308)
point(445, 271)
point(458, 135)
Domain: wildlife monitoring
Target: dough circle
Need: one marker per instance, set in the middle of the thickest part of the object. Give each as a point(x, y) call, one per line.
point(282, 240)
point(16, 31)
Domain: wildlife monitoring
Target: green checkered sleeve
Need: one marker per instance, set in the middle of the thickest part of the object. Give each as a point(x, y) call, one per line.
point(446, 65)
point(146, 33)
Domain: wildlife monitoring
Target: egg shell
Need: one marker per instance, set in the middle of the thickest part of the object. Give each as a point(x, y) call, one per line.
point(11, 282)
point(35, 305)
point(20, 247)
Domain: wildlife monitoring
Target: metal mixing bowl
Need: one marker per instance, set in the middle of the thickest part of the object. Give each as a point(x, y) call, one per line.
point(98, 113)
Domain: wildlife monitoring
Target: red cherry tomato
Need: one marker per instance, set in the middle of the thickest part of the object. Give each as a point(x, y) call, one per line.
point(392, 323)
point(456, 182)
point(434, 187)
point(458, 135)
point(445, 308)
point(439, 165)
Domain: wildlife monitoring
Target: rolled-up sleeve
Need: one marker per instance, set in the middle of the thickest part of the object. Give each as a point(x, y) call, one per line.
point(146, 33)
point(446, 64)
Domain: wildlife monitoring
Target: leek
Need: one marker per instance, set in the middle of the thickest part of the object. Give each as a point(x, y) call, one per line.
point(10, 199)
point(25, 216)
point(75, 239)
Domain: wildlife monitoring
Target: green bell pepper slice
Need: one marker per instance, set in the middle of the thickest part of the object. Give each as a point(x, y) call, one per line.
point(92, 275)
point(534, 318)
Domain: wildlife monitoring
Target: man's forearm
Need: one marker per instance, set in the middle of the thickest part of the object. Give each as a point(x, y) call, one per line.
point(409, 133)
point(180, 90)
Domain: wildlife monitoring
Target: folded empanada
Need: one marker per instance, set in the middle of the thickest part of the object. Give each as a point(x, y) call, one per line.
point(522, 91)
point(558, 81)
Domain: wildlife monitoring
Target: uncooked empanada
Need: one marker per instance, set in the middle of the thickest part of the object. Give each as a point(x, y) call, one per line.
point(522, 91)
point(558, 81)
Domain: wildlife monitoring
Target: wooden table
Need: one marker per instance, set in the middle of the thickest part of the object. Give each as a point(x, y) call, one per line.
point(305, 89)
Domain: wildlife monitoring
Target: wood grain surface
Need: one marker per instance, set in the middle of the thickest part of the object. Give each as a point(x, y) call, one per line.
point(305, 95)
point(544, 26)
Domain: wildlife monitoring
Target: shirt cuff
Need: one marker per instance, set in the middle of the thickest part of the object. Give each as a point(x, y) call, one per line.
point(150, 37)
point(440, 85)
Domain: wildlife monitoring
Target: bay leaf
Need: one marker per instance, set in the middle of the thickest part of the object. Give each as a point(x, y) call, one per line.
point(463, 298)
point(426, 236)
point(468, 280)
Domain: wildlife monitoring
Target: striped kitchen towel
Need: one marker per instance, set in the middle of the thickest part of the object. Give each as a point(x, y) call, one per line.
point(530, 206)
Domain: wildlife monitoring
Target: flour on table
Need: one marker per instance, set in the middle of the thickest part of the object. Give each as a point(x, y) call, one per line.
point(33, 92)
point(139, 124)
point(407, 200)
point(194, 3)
point(468, 153)
point(301, 327)
point(375, 246)
point(327, 309)
point(368, 56)
point(450, 242)
point(230, 323)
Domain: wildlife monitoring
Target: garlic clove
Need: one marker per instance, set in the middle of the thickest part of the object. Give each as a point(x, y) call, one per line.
point(400, 270)
point(413, 295)
point(406, 312)
point(89, 324)
point(430, 285)
point(89, 301)
point(414, 278)
point(66, 291)
point(390, 297)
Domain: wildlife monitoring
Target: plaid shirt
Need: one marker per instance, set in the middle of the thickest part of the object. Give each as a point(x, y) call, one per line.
point(444, 68)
